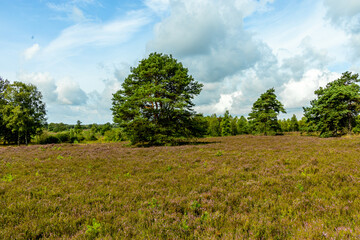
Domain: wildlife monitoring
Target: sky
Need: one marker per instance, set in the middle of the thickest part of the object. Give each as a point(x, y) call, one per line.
point(78, 52)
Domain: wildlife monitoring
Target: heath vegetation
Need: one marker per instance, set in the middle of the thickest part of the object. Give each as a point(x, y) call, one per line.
point(241, 187)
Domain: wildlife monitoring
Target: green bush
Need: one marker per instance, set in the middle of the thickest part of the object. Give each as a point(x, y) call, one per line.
point(114, 135)
point(49, 140)
point(63, 137)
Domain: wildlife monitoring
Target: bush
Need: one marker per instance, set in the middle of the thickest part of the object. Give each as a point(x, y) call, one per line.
point(47, 139)
point(114, 135)
point(63, 137)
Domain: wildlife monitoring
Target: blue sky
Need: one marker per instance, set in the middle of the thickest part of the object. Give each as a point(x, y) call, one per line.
point(78, 52)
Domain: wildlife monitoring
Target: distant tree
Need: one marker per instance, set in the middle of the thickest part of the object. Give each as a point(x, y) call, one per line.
point(234, 126)
point(294, 124)
point(94, 128)
point(3, 86)
point(225, 124)
point(264, 113)
point(106, 127)
point(243, 125)
point(23, 113)
point(78, 128)
point(334, 111)
point(154, 105)
point(214, 128)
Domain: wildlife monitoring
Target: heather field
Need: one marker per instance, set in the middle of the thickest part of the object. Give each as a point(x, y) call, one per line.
point(242, 187)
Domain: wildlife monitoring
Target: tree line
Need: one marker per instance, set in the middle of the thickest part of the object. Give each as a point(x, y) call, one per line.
point(154, 106)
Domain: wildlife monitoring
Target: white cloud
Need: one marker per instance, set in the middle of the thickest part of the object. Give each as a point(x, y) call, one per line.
point(70, 93)
point(44, 82)
point(300, 93)
point(158, 6)
point(95, 34)
point(31, 51)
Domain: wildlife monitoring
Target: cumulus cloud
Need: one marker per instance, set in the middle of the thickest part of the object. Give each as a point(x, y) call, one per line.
point(44, 82)
point(70, 93)
point(347, 17)
point(210, 39)
point(31, 51)
point(297, 93)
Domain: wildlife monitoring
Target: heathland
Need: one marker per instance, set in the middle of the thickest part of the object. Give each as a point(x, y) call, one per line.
point(240, 187)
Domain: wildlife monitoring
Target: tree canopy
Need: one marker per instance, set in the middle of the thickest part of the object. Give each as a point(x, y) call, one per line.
point(264, 113)
point(22, 112)
point(334, 111)
point(155, 103)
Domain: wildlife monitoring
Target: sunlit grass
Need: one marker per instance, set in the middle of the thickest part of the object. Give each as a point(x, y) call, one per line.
point(244, 187)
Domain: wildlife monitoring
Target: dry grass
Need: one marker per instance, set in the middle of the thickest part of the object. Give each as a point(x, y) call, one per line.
point(243, 187)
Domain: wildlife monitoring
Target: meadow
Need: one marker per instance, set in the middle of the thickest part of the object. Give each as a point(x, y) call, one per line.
point(241, 187)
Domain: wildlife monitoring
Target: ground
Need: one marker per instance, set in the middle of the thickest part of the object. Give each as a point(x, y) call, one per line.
point(242, 187)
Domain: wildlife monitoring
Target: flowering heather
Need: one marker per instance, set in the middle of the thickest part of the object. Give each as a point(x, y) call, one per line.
point(275, 187)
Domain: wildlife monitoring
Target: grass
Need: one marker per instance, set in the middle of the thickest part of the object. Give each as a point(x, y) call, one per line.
point(243, 187)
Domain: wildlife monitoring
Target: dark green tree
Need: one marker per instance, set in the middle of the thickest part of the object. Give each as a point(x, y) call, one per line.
point(23, 113)
point(155, 105)
point(334, 111)
point(294, 124)
point(243, 126)
point(214, 128)
point(264, 113)
point(234, 126)
point(225, 124)
point(3, 86)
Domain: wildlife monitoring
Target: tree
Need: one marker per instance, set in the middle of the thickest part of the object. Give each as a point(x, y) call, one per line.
point(264, 113)
point(334, 111)
point(294, 124)
point(214, 128)
point(3, 86)
point(23, 113)
point(225, 124)
point(243, 125)
point(154, 105)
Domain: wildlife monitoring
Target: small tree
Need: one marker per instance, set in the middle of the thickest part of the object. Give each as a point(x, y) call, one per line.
point(23, 113)
point(333, 112)
point(294, 124)
point(225, 124)
point(243, 125)
point(154, 105)
point(214, 128)
point(264, 113)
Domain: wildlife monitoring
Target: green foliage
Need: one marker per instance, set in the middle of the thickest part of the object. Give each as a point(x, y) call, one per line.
point(22, 112)
point(214, 128)
point(93, 230)
point(333, 112)
point(154, 105)
point(243, 125)
point(264, 113)
point(294, 125)
point(225, 124)
point(8, 178)
point(114, 135)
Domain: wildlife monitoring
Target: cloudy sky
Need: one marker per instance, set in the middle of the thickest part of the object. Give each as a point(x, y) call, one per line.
point(78, 52)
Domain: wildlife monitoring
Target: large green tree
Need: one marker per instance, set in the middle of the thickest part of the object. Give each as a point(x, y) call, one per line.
point(265, 110)
point(155, 103)
point(22, 112)
point(334, 110)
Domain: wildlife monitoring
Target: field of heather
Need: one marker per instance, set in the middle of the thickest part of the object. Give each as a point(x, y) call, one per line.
point(243, 187)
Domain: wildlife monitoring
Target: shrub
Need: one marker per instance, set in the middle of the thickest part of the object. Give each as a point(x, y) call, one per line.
point(63, 137)
point(114, 135)
point(46, 138)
